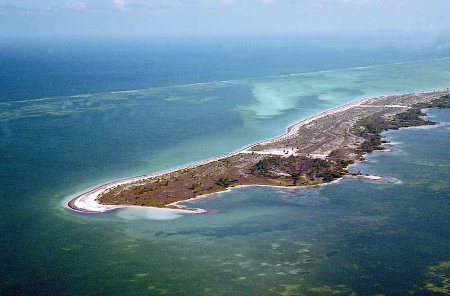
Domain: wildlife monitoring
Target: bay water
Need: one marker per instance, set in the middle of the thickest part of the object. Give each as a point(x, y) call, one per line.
point(353, 236)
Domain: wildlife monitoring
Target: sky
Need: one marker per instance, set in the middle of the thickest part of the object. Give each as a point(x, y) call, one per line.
point(117, 18)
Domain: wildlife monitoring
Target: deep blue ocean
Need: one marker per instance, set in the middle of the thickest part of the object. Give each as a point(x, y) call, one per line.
point(51, 67)
point(77, 113)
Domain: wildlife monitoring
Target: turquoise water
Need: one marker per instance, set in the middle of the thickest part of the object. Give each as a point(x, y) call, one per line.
point(350, 236)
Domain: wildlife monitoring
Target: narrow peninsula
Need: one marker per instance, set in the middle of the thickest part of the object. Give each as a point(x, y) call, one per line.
point(314, 151)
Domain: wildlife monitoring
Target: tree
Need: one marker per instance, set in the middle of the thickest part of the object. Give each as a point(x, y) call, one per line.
point(225, 182)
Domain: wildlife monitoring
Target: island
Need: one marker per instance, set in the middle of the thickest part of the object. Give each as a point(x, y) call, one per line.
point(312, 152)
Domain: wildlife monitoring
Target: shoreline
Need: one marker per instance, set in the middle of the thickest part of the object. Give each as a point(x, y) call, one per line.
point(87, 201)
point(373, 178)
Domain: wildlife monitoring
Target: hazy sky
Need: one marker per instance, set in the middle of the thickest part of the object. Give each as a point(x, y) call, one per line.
point(37, 18)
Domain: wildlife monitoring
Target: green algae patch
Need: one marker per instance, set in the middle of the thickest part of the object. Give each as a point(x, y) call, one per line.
point(439, 278)
point(332, 290)
point(290, 290)
point(317, 290)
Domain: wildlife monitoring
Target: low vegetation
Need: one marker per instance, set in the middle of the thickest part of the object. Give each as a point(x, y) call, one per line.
point(371, 127)
point(298, 169)
point(276, 170)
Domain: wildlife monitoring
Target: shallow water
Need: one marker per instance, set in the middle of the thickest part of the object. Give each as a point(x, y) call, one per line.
point(352, 236)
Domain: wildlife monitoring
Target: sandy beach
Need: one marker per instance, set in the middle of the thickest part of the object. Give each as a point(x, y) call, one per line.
point(87, 201)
